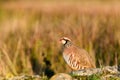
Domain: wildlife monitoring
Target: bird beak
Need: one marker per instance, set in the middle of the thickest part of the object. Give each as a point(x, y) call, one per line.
point(60, 40)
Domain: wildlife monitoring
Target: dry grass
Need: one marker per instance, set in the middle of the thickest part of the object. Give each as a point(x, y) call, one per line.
point(29, 35)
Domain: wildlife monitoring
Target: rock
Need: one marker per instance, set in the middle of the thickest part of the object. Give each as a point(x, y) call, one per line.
point(61, 76)
point(104, 70)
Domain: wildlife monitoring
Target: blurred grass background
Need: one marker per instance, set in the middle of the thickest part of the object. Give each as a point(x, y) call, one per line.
point(30, 32)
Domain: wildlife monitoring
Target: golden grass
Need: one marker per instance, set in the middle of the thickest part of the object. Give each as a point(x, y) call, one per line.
point(29, 35)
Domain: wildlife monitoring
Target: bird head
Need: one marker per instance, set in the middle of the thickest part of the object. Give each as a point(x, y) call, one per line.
point(64, 40)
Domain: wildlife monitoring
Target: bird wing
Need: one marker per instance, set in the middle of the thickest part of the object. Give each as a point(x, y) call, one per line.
point(82, 58)
point(85, 60)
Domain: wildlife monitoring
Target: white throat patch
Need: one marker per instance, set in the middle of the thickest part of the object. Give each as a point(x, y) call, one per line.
point(63, 41)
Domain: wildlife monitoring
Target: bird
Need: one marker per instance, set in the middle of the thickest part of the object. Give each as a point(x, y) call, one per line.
point(76, 58)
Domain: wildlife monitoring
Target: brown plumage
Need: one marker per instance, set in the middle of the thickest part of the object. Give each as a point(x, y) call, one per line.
point(75, 57)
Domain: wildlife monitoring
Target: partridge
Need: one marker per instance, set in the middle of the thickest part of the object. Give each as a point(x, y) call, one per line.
point(75, 57)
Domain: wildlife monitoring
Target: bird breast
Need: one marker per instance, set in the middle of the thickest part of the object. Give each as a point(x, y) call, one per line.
point(67, 57)
point(71, 61)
